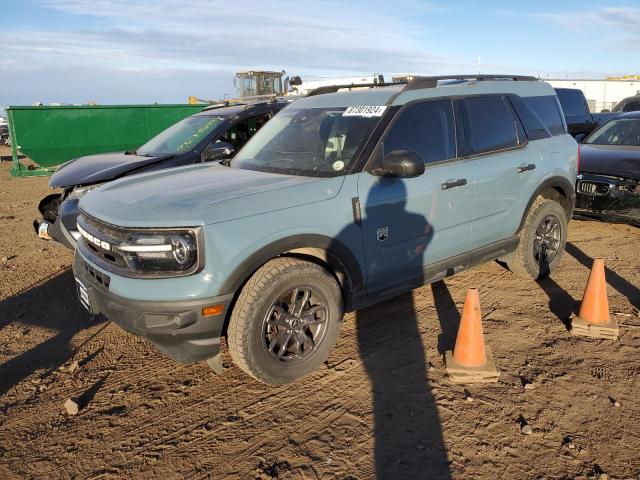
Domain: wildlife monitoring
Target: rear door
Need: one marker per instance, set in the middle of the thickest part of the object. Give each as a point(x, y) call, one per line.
point(409, 223)
point(502, 166)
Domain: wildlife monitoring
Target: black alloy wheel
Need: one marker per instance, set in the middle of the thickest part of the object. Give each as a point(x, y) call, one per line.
point(295, 325)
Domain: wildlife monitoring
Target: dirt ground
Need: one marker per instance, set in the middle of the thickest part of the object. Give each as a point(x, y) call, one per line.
point(381, 406)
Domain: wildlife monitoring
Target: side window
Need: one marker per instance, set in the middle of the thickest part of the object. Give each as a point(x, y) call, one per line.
point(491, 126)
point(426, 128)
point(572, 102)
point(241, 132)
point(546, 109)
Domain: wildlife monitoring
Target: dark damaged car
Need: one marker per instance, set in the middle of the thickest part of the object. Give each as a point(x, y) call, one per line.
point(214, 134)
point(608, 185)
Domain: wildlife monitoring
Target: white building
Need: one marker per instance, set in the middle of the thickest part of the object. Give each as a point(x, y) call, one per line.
point(601, 94)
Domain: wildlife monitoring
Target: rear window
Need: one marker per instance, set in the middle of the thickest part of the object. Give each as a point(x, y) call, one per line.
point(491, 126)
point(546, 109)
point(572, 101)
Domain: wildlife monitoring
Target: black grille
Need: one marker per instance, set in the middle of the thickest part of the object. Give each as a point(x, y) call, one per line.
point(593, 188)
point(104, 232)
point(99, 277)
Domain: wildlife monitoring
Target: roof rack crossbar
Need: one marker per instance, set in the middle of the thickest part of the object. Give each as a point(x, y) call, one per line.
point(419, 82)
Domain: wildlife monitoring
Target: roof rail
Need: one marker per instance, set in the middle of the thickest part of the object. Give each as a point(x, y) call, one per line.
point(418, 82)
point(350, 86)
point(228, 102)
point(432, 81)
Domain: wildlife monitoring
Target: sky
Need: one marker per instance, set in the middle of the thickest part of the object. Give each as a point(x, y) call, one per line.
point(126, 51)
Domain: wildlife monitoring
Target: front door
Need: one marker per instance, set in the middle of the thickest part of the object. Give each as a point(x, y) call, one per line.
point(410, 223)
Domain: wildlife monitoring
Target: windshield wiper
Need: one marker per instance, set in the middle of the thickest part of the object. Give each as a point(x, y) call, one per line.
point(131, 152)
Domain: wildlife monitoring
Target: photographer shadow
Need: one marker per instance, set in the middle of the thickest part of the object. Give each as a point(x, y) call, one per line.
point(407, 429)
point(50, 305)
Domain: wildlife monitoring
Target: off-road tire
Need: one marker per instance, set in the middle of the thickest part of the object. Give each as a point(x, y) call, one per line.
point(523, 262)
point(245, 331)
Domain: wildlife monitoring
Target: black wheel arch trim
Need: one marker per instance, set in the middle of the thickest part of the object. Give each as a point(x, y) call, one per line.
point(338, 257)
point(562, 183)
point(48, 199)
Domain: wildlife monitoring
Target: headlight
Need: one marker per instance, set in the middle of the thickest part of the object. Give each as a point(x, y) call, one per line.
point(78, 192)
point(159, 252)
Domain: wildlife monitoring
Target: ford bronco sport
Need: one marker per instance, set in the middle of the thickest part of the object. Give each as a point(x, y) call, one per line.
point(342, 200)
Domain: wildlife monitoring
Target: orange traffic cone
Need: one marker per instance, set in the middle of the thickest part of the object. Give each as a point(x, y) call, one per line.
point(471, 361)
point(594, 320)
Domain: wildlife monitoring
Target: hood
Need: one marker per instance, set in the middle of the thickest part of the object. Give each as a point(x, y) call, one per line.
point(613, 160)
point(99, 168)
point(200, 195)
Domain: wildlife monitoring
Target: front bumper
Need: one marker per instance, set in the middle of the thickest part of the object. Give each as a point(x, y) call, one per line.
point(177, 328)
point(607, 197)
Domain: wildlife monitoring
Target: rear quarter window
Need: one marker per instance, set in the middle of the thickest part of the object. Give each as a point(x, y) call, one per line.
point(546, 109)
point(490, 125)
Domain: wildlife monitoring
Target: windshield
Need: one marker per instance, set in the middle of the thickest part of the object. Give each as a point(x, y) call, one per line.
point(181, 137)
point(624, 131)
point(311, 141)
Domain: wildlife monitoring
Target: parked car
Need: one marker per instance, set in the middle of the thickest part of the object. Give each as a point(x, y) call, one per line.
point(608, 185)
point(342, 200)
point(212, 135)
point(629, 104)
point(580, 121)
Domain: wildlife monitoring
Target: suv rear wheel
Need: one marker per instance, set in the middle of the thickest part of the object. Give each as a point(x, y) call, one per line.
point(542, 240)
point(286, 320)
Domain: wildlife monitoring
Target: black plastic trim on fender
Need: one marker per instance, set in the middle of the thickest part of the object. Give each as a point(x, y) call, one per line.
point(554, 182)
point(336, 250)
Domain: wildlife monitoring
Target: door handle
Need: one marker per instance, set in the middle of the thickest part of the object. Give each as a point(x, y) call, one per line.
point(453, 183)
point(526, 168)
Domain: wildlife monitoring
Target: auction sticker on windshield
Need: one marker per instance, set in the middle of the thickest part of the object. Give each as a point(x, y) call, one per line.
point(365, 111)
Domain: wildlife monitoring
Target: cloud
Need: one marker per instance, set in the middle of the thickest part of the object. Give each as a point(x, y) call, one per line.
point(199, 41)
point(199, 35)
point(325, 37)
point(194, 46)
point(622, 24)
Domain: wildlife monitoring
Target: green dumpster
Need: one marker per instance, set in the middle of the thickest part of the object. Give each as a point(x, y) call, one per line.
point(51, 135)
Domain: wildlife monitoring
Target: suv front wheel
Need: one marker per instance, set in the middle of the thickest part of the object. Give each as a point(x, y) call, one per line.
point(286, 320)
point(542, 240)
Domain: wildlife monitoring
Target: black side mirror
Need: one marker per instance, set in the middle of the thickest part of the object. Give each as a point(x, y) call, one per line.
point(580, 137)
point(218, 151)
point(401, 163)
